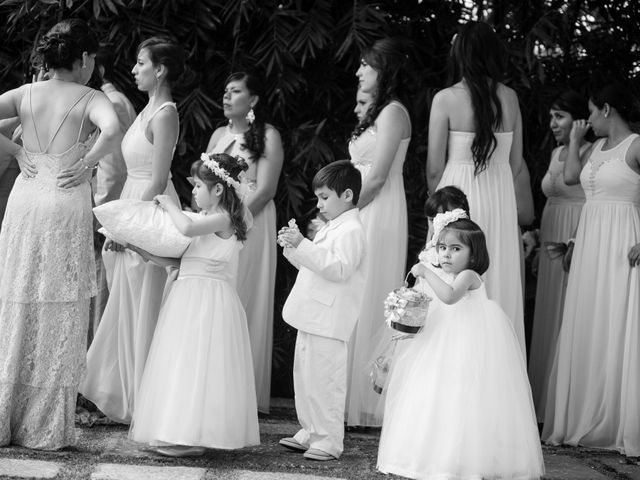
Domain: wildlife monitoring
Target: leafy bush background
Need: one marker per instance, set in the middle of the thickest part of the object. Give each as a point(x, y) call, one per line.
point(308, 51)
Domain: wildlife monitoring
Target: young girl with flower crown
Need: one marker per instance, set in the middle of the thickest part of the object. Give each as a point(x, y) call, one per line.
point(458, 402)
point(198, 387)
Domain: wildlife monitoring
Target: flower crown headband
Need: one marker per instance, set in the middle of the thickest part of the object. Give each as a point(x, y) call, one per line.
point(220, 172)
point(441, 220)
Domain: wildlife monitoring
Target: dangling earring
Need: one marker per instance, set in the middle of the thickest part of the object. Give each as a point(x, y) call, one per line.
point(251, 117)
point(230, 123)
point(84, 64)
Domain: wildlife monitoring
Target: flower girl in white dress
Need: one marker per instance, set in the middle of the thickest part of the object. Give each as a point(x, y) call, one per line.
point(198, 387)
point(458, 402)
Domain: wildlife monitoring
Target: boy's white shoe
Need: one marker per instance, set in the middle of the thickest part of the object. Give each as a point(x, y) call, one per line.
point(317, 454)
point(292, 444)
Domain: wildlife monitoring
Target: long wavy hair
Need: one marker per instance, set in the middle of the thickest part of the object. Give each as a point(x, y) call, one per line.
point(254, 138)
point(478, 58)
point(389, 58)
point(229, 200)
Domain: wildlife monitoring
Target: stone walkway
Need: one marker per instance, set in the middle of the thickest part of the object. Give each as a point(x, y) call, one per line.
point(105, 453)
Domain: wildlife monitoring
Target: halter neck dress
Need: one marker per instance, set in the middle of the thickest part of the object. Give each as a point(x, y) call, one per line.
point(118, 353)
point(47, 276)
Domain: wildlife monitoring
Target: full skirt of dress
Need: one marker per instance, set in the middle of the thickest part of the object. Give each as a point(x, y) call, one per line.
point(256, 289)
point(458, 403)
point(198, 388)
point(594, 386)
point(558, 224)
point(385, 224)
point(117, 356)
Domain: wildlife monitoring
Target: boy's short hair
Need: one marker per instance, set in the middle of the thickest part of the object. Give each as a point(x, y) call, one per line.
point(339, 176)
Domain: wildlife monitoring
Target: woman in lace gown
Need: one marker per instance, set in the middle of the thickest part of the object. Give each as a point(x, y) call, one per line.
point(378, 148)
point(248, 136)
point(558, 224)
point(117, 356)
point(47, 272)
point(475, 144)
point(594, 387)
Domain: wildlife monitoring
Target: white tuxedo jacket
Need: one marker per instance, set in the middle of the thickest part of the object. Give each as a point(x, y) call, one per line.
point(326, 298)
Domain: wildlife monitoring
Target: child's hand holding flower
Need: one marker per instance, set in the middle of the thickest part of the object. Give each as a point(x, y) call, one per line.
point(290, 235)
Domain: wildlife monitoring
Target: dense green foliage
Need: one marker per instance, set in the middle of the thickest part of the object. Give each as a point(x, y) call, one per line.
point(308, 51)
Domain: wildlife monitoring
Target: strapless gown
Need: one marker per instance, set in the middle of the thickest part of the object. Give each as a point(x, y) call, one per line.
point(492, 203)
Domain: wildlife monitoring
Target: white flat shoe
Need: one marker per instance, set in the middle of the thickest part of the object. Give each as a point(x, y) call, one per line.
point(180, 451)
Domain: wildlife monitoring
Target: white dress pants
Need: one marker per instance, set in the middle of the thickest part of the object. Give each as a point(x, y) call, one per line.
point(320, 384)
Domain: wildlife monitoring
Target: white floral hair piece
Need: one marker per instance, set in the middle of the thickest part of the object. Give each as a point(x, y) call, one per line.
point(215, 167)
point(441, 220)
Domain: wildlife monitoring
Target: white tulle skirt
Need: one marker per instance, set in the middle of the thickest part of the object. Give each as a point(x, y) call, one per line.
point(198, 386)
point(458, 403)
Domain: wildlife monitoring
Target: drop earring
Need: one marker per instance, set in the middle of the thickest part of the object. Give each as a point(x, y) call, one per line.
point(251, 117)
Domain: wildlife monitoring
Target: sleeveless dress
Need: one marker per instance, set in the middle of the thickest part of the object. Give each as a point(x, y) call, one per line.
point(198, 386)
point(459, 403)
point(47, 276)
point(257, 272)
point(386, 229)
point(558, 224)
point(117, 355)
point(492, 203)
point(594, 387)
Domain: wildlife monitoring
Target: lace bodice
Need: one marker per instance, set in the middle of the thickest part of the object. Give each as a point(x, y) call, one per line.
point(606, 177)
point(553, 185)
point(362, 149)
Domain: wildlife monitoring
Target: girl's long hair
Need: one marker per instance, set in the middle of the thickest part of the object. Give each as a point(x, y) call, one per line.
point(229, 200)
point(389, 58)
point(255, 136)
point(478, 57)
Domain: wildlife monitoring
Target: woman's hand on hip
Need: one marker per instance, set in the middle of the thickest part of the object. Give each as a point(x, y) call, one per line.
point(74, 175)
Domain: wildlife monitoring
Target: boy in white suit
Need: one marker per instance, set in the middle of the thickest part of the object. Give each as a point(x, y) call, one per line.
point(323, 305)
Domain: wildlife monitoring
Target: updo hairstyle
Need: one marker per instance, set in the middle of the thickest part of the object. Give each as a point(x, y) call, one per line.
point(164, 51)
point(65, 43)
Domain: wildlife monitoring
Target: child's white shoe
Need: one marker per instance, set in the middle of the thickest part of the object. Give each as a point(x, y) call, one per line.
point(292, 444)
point(316, 454)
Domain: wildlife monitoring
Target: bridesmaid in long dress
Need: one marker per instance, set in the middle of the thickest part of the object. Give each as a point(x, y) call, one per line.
point(248, 136)
point(594, 387)
point(117, 356)
point(475, 144)
point(559, 223)
point(47, 272)
point(378, 148)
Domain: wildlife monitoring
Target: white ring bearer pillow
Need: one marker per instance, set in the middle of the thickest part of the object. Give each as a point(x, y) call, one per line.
point(142, 223)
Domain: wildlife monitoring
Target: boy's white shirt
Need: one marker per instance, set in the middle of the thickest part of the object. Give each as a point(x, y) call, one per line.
point(327, 295)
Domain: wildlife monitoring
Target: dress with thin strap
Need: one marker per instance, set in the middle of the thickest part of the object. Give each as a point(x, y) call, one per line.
point(594, 385)
point(558, 224)
point(385, 223)
point(492, 205)
point(257, 271)
point(118, 353)
point(47, 276)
